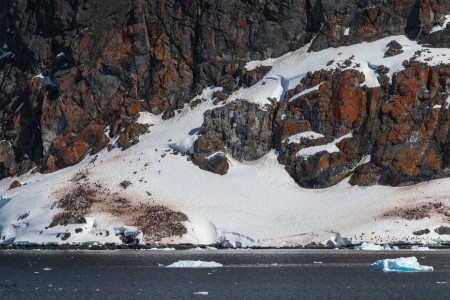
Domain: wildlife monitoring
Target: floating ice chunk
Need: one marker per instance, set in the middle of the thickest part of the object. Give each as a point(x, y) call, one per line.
point(417, 248)
point(402, 264)
point(163, 249)
point(194, 264)
point(202, 293)
point(374, 247)
point(47, 269)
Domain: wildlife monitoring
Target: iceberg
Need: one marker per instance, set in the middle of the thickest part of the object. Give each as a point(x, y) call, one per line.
point(402, 264)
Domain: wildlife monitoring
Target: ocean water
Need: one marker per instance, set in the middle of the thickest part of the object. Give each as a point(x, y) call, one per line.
point(245, 274)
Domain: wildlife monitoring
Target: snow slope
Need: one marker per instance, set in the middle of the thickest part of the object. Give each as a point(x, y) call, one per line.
point(288, 69)
point(256, 204)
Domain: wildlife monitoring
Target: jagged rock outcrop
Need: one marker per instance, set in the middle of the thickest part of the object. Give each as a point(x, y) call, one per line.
point(71, 69)
point(395, 134)
point(244, 129)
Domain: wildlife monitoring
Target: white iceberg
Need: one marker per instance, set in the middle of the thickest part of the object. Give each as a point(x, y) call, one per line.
point(374, 247)
point(402, 264)
point(194, 264)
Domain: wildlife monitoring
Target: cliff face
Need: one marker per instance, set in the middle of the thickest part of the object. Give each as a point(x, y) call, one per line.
point(75, 73)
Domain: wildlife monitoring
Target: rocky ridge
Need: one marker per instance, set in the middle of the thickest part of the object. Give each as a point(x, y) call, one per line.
point(75, 74)
point(395, 134)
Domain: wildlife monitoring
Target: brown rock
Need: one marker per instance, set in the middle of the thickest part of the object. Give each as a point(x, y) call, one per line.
point(15, 184)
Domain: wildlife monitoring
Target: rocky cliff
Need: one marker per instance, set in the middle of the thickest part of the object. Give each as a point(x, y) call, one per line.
point(76, 73)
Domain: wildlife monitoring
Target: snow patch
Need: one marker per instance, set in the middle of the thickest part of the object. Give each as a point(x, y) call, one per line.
point(186, 145)
point(293, 66)
point(194, 264)
point(439, 27)
point(330, 147)
point(296, 138)
point(305, 92)
point(402, 264)
point(447, 102)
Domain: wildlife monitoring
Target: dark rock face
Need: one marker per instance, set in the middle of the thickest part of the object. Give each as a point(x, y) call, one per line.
point(334, 110)
point(244, 128)
point(101, 62)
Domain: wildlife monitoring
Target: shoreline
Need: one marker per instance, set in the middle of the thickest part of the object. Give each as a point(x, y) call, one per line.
point(184, 247)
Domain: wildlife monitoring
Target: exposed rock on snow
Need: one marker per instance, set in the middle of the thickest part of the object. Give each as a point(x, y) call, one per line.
point(443, 230)
point(421, 232)
point(402, 264)
point(394, 48)
point(194, 264)
point(158, 222)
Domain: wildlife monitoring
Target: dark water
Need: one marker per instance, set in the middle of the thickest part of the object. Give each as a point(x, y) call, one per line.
point(249, 274)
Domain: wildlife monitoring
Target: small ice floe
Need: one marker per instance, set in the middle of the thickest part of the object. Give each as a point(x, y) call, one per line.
point(202, 293)
point(441, 282)
point(194, 264)
point(47, 269)
point(417, 248)
point(318, 262)
point(374, 247)
point(162, 249)
point(402, 264)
